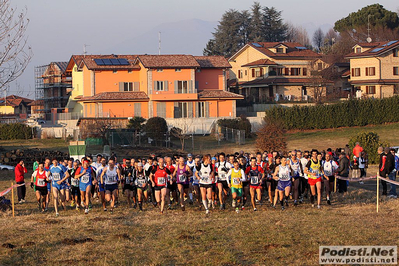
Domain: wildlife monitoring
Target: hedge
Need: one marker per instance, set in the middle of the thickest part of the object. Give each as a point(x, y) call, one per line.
point(241, 123)
point(15, 131)
point(344, 114)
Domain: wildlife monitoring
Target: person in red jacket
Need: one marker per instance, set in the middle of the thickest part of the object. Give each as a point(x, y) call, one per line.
point(20, 171)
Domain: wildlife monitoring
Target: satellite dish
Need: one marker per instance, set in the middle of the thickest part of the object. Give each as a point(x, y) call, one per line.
point(369, 39)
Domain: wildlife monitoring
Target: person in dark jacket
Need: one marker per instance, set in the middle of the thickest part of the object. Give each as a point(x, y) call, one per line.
point(391, 172)
point(343, 170)
point(383, 169)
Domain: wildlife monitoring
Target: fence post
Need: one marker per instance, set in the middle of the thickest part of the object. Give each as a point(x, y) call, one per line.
point(378, 190)
point(12, 198)
point(192, 142)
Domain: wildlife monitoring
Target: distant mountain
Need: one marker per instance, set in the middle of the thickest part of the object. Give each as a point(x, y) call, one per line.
point(182, 37)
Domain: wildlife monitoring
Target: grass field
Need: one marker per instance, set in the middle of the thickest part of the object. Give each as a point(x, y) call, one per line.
point(266, 237)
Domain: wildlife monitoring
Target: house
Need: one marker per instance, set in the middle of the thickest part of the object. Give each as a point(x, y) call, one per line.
point(15, 105)
point(52, 87)
point(374, 69)
point(273, 71)
point(169, 86)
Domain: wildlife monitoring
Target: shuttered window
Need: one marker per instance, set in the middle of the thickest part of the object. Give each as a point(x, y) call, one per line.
point(202, 109)
point(161, 85)
point(137, 109)
point(161, 110)
point(129, 86)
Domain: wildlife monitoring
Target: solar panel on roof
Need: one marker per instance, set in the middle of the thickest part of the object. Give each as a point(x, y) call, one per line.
point(107, 62)
point(123, 62)
point(99, 62)
point(115, 62)
point(390, 43)
point(256, 44)
point(301, 47)
point(376, 50)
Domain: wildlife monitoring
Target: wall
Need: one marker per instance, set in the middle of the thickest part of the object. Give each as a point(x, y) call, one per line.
point(6, 109)
point(210, 79)
point(107, 81)
point(246, 56)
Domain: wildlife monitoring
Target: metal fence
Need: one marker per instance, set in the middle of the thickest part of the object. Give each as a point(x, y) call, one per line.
point(231, 135)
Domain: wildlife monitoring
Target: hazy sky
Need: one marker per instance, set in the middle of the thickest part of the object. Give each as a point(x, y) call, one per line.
point(59, 28)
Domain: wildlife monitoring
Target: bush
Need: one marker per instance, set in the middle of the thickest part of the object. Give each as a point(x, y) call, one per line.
point(241, 123)
point(370, 141)
point(15, 131)
point(155, 128)
point(136, 123)
point(344, 114)
point(271, 137)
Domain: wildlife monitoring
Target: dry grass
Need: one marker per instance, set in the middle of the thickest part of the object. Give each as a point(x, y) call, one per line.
point(129, 237)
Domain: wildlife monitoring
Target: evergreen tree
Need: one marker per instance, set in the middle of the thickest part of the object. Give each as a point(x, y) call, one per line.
point(256, 23)
point(274, 29)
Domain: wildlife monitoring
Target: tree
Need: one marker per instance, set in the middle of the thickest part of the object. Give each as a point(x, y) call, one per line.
point(298, 34)
point(156, 128)
point(318, 38)
point(136, 123)
point(271, 137)
point(256, 22)
point(370, 141)
point(15, 54)
point(274, 30)
point(181, 134)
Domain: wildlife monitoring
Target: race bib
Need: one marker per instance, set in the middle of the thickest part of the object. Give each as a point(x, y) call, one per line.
point(328, 173)
point(85, 178)
point(111, 179)
point(56, 176)
point(75, 182)
point(285, 177)
point(141, 182)
point(182, 178)
point(236, 181)
point(41, 183)
point(222, 176)
point(127, 180)
point(161, 181)
point(254, 180)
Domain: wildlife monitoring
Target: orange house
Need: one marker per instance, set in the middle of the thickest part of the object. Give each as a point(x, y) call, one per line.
point(169, 86)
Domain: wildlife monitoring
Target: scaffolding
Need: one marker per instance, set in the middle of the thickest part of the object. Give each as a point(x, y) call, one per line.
point(52, 86)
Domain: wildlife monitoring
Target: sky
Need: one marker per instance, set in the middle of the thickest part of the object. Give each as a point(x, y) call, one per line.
point(60, 28)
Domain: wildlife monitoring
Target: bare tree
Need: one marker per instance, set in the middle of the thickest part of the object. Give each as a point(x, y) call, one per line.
point(298, 34)
point(181, 130)
point(15, 54)
point(318, 38)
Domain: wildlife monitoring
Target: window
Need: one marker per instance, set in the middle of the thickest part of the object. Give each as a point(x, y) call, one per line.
point(286, 71)
point(261, 72)
point(258, 72)
point(202, 109)
point(396, 71)
point(370, 71)
point(114, 71)
point(246, 72)
point(137, 109)
point(183, 110)
point(161, 85)
point(395, 52)
point(304, 71)
point(280, 50)
point(319, 66)
point(370, 89)
point(355, 72)
point(129, 86)
point(358, 50)
point(253, 72)
point(161, 110)
point(239, 74)
point(181, 86)
point(159, 69)
point(396, 89)
point(295, 71)
point(177, 69)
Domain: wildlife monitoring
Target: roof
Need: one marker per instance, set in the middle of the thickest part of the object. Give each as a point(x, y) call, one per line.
point(61, 65)
point(374, 81)
point(168, 61)
point(346, 73)
point(36, 103)
point(212, 62)
point(14, 100)
point(278, 81)
point(219, 94)
point(294, 50)
point(376, 49)
point(88, 60)
point(116, 96)
point(261, 62)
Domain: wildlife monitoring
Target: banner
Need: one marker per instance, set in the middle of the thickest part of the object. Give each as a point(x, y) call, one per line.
point(356, 179)
point(4, 192)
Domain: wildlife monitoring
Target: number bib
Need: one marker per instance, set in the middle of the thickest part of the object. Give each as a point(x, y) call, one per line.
point(161, 181)
point(41, 183)
point(56, 176)
point(285, 177)
point(222, 176)
point(85, 178)
point(182, 178)
point(74, 182)
point(254, 180)
point(111, 178)
point(236, 181)
point(141, 182)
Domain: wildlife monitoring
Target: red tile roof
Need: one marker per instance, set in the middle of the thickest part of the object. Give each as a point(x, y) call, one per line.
point(36, 103)
point(375, 81)
point(88, 60)
point(218, 94)
point(14, 100)
point(381, 47)
point(168, 61)
point(116, 96)
point(212, 62)
point(346, 73)
point(292, 51)
point(260, 62)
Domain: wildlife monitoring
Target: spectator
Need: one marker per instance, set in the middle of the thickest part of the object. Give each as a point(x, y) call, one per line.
point(393, 163)
point(347, 151)
point(382, 169)
point(343, 170)
point(362, 166)
point(357, 150)
point(20, 171)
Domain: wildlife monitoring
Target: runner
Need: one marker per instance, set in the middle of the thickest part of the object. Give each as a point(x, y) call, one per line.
point(296, 167)
point(181, 174)
point(235, 178)
point(195, 181)
point(329, 168)
point(40, 178)
point(47, 168)
point(171, 185)
point(159, 177)
point(75, 192)
point(222, 168)
point(147, 170)
point(101, 189)
point(204, 173)
point(282, 173)
point(142, 184)
point(58, 185)
point(314, 171)
point(129, 183)
point(245, 184)
point(191, 163)
point(272, 184)
point(86, 175)
point(304, 180)
point(255, 174)
point(109, 179)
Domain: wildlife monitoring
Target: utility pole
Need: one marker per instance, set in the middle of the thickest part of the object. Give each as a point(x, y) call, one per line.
point(159, 43)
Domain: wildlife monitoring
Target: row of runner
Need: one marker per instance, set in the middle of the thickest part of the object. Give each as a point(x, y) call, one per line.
point(203, 179)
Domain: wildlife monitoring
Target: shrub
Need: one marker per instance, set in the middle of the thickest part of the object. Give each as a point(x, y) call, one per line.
point(155, 128)
point(344, 114)
point(271, 137)
point(136, 123)
point(370, 141)
point(241, 123)
point(15, 131)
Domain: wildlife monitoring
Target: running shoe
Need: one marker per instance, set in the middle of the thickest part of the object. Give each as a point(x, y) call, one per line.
point(318, 207)
point(183, 208)
point(221, 207)
point(361, 182)
point(46, 209)
point(255, 209)
point(237, 210)
point(20, 202)
point(242, 207)
point(169, 207)
point(73, 204)
point(105, 209)
point(300, 200)
point(295, 203)
point(256, 200)
point(224, 206)
point(23, 200)
point(57, 214)
point(86, 211)
point(233, 204)
point(206, 211)
point(112, 210)
point(312, 205)
point(282, 208)
point(328, 202)
point(135, 206)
